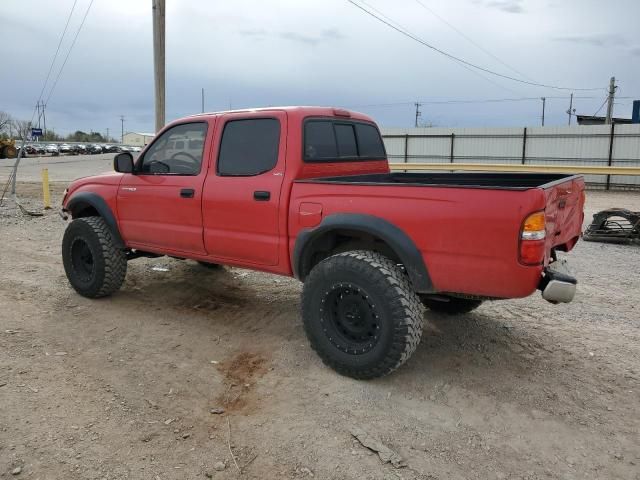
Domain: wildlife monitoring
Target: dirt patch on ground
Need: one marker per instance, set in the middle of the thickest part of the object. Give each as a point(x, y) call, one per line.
point(123, 387)
point(240, 373)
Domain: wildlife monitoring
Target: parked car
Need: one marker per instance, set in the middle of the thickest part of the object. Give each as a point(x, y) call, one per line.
point(124, 148)
point(94, 148)
point(30, 149)
point(307, 192)
point(65, 148)
point(136, 149)
point(52, 148)
point(78, 149)
point(39, 148)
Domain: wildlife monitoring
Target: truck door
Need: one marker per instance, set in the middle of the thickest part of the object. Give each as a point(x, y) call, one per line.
point(241, 199)
point(159, 205)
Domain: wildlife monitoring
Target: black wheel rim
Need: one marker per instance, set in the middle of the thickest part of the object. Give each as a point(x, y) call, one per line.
point(350, 319)
point(82, 260)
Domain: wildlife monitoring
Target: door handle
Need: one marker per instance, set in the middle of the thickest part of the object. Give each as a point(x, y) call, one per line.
point(187, 192)
point(261, 196)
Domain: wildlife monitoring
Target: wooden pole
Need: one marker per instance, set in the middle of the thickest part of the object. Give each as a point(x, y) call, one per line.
point(158, 10)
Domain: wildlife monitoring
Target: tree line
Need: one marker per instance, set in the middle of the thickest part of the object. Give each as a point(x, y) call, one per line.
point(17, 129)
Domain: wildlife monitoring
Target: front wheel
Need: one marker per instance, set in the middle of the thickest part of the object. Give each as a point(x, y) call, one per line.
point(360, 314)
point(451, 305)
point(94, 266)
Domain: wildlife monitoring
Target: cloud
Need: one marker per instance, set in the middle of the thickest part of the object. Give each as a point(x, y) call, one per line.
point(332, 34)
point(328, 34)
point(509, 6)
point(300, 38)
point(595, 39)
point(256, 33)
point(293, 52)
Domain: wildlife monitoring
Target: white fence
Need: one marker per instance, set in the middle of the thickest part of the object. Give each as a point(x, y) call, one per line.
point(592, 145)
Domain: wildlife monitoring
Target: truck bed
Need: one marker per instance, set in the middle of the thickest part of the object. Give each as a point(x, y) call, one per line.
point(467, 226)
point(502, 181)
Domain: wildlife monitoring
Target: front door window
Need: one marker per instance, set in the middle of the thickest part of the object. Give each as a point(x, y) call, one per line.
point(178, 151)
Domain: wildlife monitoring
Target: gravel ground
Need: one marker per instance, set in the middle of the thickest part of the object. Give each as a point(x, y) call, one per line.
point(124, 387)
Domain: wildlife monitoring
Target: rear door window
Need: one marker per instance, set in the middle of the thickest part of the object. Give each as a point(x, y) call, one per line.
point(249, 147)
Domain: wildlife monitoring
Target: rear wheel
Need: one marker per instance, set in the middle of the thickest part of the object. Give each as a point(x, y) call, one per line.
point(360, 314)
point(451, 305)
point(94, 266)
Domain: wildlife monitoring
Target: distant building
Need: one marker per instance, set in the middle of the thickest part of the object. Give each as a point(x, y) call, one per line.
point(136, 139)
point(591, 120)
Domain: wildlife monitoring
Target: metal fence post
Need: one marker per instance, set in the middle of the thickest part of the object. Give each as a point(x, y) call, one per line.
point(524, 145)
point(453, 136)
point(611, 139)
point(406, 148)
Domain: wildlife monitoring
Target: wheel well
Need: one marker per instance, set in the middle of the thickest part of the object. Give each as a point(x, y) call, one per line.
point(84, 210)
point(342, 240)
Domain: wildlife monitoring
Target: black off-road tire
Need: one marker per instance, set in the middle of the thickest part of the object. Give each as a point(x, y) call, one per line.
point(94, 266)
point(455, 306)
point(361, 314)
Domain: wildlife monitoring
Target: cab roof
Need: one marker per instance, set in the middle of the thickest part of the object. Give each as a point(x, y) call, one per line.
point(301, 111)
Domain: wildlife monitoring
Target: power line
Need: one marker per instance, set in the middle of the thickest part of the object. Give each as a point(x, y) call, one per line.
point(14, 173)
point(55, 56)
point(475, 72)
point(470, 101)
point(460, 60)
point(69, 51)
point(470, 40)
point(598, 111)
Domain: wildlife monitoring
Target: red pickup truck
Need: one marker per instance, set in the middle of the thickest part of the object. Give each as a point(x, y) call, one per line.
point(307, 192)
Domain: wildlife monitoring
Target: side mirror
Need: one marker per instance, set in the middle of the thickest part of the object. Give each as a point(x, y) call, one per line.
point(123, 162)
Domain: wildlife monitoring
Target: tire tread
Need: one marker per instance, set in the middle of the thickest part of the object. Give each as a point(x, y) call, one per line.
point(115, 260)
point(406, 309)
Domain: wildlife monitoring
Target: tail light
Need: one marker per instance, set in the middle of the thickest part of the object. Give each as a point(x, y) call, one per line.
point(532, 235)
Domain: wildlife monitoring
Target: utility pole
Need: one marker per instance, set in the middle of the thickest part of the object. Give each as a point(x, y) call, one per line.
point(41, 113)
point(544, 101)
point(418, 113)
point(158, 9)
point(203, 100)
point(107, 134)
point(612, 94)
point(122, 129)
point(571, 110)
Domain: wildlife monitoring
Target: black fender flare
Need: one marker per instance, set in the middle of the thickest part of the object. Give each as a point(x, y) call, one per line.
point(393, 236)
point(81, 200)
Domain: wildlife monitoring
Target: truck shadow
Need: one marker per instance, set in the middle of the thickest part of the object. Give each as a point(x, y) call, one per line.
point(474, 333)
point(480, 341)
point(185, 284)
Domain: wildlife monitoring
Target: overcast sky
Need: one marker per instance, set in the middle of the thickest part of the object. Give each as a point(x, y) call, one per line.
point(249, 53)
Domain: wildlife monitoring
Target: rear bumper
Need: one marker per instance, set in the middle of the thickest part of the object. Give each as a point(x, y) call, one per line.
point(558, 285)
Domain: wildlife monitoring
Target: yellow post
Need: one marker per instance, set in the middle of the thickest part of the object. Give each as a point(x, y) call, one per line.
point(46, 196)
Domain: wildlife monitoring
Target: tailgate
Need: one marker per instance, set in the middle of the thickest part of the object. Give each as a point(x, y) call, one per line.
point(564, 213)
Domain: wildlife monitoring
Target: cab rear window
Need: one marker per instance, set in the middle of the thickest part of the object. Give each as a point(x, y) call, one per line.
point(340, 141)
